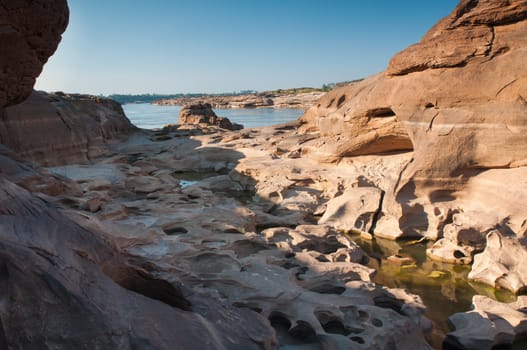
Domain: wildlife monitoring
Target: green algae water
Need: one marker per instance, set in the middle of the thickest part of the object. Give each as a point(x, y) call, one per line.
point(444, 288)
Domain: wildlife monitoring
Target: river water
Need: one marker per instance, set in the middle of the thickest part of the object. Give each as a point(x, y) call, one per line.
point(149, 116)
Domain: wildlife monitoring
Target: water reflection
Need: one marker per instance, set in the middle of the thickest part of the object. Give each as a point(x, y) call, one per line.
point(444, 288)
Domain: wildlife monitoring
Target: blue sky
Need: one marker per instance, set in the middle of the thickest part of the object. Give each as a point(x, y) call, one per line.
point(170, 46)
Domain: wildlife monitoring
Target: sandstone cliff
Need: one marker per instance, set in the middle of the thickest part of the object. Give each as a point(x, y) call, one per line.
point(458, 99)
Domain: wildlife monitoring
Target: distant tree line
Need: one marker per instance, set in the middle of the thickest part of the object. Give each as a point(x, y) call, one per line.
point(149, 98)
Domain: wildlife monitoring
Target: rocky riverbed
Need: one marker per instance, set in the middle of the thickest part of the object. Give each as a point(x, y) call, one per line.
point(246, 244)
point(285, 236)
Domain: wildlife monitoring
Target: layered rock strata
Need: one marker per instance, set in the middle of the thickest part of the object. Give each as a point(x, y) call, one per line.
point(56, 128)
point(457, 98)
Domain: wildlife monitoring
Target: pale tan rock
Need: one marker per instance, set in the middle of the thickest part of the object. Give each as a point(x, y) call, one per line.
point(503, 263)
point(489, 324)
point(355, 209)
point(459, 97)
point(449, 251)
point(302, 100)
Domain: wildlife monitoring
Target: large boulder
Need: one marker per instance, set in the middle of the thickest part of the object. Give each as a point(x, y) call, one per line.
point(30, 33)
point(202, 113)
point(55, 129)
point(458, 98)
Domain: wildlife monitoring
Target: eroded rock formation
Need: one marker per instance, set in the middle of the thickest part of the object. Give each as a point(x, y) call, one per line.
point(202, 113)
point(458, 99)
point(55, 129)
point(124, 249)
point(489, 324)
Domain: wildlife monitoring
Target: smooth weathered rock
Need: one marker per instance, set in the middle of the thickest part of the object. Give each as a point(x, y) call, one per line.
point(202, 113)
point(57, 129)
point(203, 235)
point(347, 125)
point(31, 31)
point(63, 286)
point(449, 251)
point(489, 324)
point(73, 290)
point(355, 209)
point(458, 97)
point(503, 263)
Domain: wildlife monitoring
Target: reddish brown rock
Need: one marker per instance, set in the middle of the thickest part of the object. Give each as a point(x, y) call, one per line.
point(30, 31)
point(56, 129)
point(458, 98)
point(202, 113)
point(467, 34)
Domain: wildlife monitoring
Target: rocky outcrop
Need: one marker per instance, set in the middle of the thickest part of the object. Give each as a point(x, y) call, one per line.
point(55, 128)
point(347, 126)
point(302, 100)
point(29, 33)
point(469, 32)
point(457, 98)
point(202, 113)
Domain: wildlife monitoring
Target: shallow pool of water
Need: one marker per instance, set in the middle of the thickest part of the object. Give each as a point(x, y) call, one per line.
point(444, 288)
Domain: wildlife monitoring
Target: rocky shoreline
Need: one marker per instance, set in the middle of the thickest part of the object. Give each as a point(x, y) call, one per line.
point(301, 100)
point(199, 237)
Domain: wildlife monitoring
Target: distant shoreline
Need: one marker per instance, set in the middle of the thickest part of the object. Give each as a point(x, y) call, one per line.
point(289, 100)
point(190, 97)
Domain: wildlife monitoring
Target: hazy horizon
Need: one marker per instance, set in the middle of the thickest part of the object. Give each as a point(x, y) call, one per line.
point(168, 47)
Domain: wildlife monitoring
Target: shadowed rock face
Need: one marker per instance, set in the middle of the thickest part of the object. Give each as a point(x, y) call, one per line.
point(56, 129)
point(30, 31)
